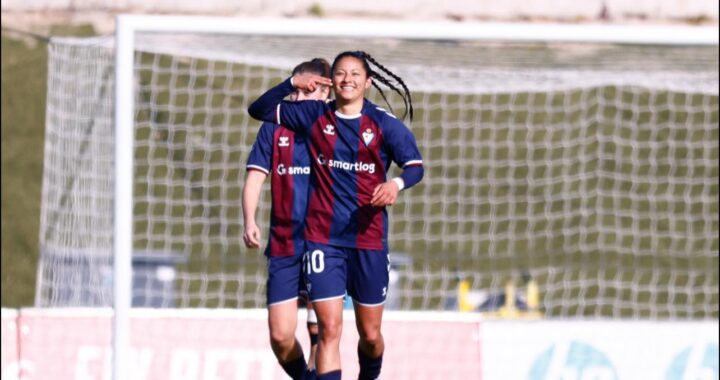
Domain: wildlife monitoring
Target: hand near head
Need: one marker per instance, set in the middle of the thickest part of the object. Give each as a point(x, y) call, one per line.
point(251, 236)
point(385, 194)
point(309, 82)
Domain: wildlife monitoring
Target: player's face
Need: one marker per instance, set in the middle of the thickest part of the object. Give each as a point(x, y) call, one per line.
point(320, 93)
point(350, 80)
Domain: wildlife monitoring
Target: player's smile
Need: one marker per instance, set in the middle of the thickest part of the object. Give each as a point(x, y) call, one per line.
point(347, 89)
point(350, 80)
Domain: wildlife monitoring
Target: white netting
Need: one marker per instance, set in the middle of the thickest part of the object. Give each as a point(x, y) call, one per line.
point(591, 168)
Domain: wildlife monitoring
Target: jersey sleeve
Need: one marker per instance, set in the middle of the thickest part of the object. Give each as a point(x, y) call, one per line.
point(401, 143)
point(262, 150)
point(296, 116)
point(300, 116)
point(404, 151)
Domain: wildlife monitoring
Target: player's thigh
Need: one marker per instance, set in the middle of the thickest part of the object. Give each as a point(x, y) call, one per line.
point(368, 276)
point(282, 320)
point(284, 282)
point(330, 316)
point(325, 271)
point(368, 320)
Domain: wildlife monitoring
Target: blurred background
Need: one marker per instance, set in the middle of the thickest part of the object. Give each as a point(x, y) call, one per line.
point(27, 25)
point(569, 208)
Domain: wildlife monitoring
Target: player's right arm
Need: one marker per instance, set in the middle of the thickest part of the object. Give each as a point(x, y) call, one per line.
point(250, 199)
point(258, 167)
point(297, 116)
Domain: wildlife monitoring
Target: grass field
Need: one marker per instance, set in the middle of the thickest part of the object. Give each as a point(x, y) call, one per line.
point(499, 195)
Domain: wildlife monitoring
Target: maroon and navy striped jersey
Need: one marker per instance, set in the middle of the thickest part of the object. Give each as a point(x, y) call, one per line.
point(351, 155)
point(283, 155)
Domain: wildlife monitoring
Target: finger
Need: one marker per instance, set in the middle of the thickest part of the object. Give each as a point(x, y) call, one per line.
point(377, 188)
point(254, 239)
point(321, 79)
point(379, 199)
point(376, 198)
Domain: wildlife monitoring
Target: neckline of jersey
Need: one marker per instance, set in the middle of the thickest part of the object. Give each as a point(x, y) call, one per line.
point(343, 116)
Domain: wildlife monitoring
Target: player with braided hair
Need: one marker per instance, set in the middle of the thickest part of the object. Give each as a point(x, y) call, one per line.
point(352, 145)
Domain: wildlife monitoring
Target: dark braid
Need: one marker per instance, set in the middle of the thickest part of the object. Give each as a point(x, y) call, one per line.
point(365, 58)
point(406, 96)
point(387, 83)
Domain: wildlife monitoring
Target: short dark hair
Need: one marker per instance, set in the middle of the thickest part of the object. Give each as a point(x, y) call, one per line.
point(317, 66)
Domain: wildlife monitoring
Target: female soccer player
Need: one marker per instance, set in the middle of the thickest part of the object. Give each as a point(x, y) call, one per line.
point(352, 144)
point(283, 155)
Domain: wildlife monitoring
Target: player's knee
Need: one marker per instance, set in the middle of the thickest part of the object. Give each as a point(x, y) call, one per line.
point(282, 338)
point(371, 336)
point(331, 331)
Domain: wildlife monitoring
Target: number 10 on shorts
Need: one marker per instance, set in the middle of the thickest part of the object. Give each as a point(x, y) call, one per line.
point(314, 261)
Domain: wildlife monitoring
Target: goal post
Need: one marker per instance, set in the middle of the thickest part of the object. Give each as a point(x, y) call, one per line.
point(127, 26)
point(582, 159)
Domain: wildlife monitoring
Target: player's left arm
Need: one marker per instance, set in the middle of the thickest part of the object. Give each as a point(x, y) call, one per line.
point(403, 149)
point(296, 116)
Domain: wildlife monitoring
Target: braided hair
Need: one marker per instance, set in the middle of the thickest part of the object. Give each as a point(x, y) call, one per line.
point(381, 75)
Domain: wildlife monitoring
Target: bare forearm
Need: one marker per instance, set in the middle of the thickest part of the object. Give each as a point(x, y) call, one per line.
point(251, 195)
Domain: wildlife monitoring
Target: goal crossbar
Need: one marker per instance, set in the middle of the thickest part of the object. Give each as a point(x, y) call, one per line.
point(128, 25)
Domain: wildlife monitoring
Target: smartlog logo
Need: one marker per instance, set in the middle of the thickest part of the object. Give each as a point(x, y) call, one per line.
point(349, 166)
point(293, 170)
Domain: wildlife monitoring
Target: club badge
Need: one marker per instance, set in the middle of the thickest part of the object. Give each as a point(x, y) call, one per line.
point(368, 136)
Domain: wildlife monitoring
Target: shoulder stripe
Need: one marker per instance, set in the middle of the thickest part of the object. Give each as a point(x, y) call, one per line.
point(385, 111)
point(277, 115)
point(258, 168)
point(413, 163)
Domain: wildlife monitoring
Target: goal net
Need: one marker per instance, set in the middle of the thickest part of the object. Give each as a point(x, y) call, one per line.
point(591, 169)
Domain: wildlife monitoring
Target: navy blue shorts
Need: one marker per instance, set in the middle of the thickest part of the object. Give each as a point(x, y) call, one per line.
point(284, 282)
point(330, 271)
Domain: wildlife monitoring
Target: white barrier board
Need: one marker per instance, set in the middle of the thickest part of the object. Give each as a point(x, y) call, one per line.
point(600, 350)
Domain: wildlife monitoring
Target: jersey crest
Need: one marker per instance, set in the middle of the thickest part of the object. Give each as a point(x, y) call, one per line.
point(368, 136)
point(329, 129)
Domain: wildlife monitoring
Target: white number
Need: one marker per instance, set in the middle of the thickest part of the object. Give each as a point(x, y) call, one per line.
point(316, 262)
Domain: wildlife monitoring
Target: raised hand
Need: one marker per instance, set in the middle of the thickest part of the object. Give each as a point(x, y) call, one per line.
point(309, 82)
